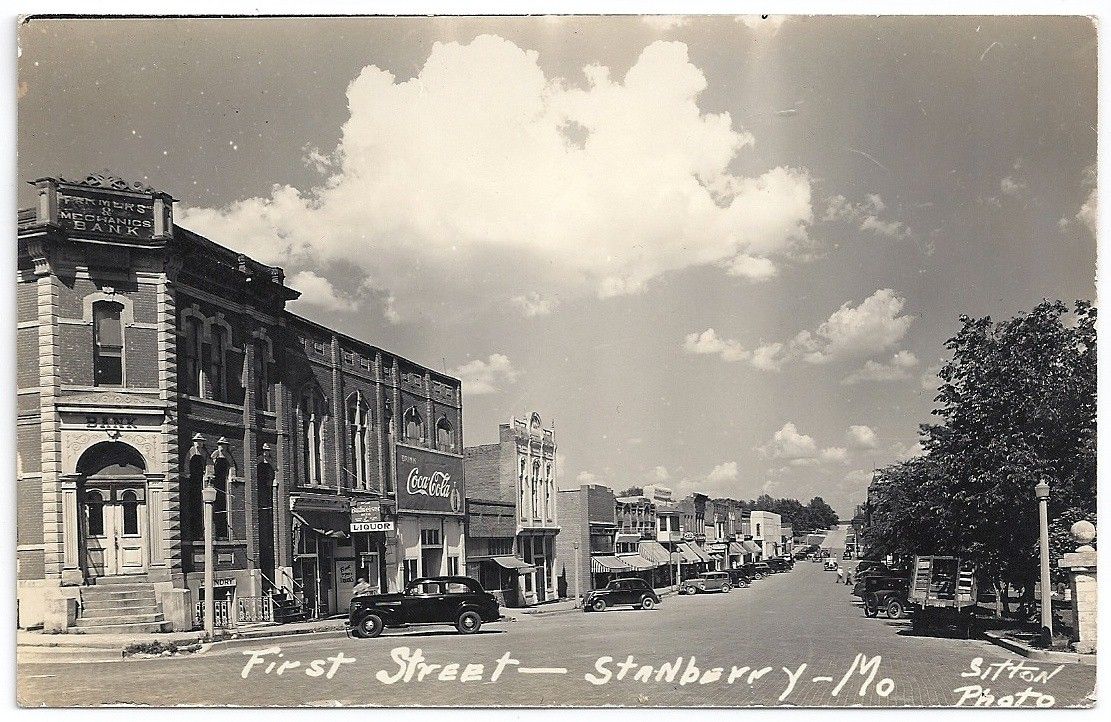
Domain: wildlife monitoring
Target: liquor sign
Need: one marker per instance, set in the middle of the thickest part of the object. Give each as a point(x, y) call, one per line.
point(428, 481)
point(89, 210)
point(362, 526)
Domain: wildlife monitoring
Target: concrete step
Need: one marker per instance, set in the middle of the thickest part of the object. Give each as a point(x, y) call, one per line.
point(121, 581)
point(103, 612)
point(117, 618)
point(138, 595)
point(87, 603)
point(128, 628)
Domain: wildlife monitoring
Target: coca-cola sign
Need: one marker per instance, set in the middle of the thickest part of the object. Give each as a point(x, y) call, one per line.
point(428, 481)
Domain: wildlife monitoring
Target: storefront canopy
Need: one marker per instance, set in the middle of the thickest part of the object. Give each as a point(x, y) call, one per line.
point(688, 555)
point(751, 547)
point(654, 551)
point(327, 523)
point(602, 565)
point(736, 549)
point(514, 563)
point(703, 556)
point(636, 561)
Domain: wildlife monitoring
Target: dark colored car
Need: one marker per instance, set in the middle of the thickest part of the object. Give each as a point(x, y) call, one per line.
point(739, 577)
point(708, 582)
point(460, 601)
point(780, 564)
point(630, 590)
point(883, 592)
point(761, 570)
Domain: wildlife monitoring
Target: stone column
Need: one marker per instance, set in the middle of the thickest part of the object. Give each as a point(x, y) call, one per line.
point(1081, 566)
point(71, 528)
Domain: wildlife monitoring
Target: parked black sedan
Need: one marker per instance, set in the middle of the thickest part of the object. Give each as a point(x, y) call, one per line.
point(629, 590)
point(460, 601)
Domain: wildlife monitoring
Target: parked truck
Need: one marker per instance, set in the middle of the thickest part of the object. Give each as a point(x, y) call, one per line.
point(943, 594)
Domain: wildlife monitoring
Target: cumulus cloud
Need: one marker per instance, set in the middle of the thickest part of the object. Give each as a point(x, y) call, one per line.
point(1088, 212)
point(486, 376)
point(753, 268)
point(896, 369)
point(861, 437)
point(867, 215)
point(709, 343)
point(726, 471)
point(876, 325)
point(660, 473)
point(788, 443)
point(836, 454)
point(319, 292)
point(587, 477)
point(483, 168)
point(533, 304)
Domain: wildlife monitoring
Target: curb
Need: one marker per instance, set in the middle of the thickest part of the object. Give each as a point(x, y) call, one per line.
point(1043, 655)
point(537, 612)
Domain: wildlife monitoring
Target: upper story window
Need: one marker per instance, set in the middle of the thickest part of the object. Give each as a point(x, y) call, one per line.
point(262, 378)
point(218, 363)
point(313, 413)
point(445, 435)
point(535, 490)
point(191, 382)
point(107, 343)
point(414, 425)
point(358, 429)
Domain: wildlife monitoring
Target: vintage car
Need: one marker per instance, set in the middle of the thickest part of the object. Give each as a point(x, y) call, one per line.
point(740, 577)
point(630, 590)
point(761, 569)
point(847, 554)
point(780, 564)
point(708, 582)
point(883, 592)
point(460, 601)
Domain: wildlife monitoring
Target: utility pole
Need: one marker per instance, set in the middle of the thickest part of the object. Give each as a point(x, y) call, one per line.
point(578, 563)
point(208, 494)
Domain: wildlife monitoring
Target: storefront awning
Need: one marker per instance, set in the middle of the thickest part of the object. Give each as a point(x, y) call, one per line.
point(636, 561)
point(736, 549)
point(751, 547)
point(326, 523)
point(515, 563)
point(703, 556)
point(627, 539)
point(654, 551)
point(688, 555)
point(601, 565)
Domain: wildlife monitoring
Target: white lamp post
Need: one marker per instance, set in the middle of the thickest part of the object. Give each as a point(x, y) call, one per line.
point(578, 563)
point(208, 494)
point(1041, 491)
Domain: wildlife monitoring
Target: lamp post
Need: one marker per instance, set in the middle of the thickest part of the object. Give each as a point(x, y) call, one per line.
point(1041, 491)
point(578, 563)
point(208, 494)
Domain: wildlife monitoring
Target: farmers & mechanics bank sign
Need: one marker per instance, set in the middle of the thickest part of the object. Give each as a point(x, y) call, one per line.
point(428, 481)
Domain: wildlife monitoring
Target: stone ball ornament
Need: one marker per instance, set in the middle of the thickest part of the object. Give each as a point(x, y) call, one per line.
point(1083, 532)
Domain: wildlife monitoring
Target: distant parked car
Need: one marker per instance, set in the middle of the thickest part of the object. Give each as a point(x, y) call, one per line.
point(761, 569)
point(708, 582)
point(739, 577)
point(777, 564)
point(626, 591)
point(429, 600)
point(848, 554)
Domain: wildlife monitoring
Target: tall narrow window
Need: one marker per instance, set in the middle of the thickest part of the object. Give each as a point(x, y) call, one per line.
point(94, 507)
point(130, 502)
point(107, 343)
point(358, 429)
point(445, 436)
point(523, 484)
point(191, 356)
point(389, 438)
point(535, 482)
point(312, 437)
point(218, 363)
point(193, 500)
point(414, 425)
point(262, 378)
point(220, 516)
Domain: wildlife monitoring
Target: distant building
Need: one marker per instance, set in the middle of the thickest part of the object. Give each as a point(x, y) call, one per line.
point(766, 532)
point(587, 535)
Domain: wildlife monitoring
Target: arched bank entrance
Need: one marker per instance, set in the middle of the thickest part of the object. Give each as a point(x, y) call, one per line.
point(113, 504)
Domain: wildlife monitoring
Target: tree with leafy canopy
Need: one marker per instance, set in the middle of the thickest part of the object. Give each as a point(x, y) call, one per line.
point(1017, 404)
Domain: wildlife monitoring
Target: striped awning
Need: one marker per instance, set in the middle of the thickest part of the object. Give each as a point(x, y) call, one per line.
point(735, 548)
point(602, 565)
point(703, 555)
point(512, 562)
point(688, 555)
point(636, 561)
point(654, 551)
point(751, 547)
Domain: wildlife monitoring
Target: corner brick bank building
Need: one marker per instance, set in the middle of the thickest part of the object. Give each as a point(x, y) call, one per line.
point(151, 361)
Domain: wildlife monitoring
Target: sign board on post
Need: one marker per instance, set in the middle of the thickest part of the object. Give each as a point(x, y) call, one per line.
point(429, 482)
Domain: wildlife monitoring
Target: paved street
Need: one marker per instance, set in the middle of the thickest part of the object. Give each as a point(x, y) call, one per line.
point(785, 621)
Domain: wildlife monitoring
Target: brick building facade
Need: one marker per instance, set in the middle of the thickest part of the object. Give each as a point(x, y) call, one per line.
point(151, 361)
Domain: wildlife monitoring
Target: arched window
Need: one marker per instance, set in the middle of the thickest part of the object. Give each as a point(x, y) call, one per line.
point(94, 507)
point(312, 436)
point(445, 435)
point(220, 516)
point(414, 425)
point(522, 483)
point(218, 362)
point(130, 502)
point(262, 377)
point(358, 430)
point(388, 438)
point(191, 357)
point(107, 343)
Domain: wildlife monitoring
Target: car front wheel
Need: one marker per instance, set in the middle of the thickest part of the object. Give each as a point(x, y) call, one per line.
point(647, 603)
point(895, 609)
point(598, 605)
point(369, 627)
point(468, 623)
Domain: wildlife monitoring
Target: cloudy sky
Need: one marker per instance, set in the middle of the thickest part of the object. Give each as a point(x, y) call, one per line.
point(717, 253)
